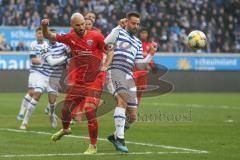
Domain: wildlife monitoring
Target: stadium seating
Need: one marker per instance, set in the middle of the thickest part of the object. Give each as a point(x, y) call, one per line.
point(168, 21)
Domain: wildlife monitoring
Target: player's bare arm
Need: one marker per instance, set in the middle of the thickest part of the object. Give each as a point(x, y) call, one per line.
point(46, 32)
point(108, 59)
point(153, 49)
point(142, 63)
point(36, 60)
point(55, 61)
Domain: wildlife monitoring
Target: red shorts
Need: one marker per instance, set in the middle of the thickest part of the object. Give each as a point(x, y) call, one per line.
point(97, 86)
point(87, 92)
point(140, 78)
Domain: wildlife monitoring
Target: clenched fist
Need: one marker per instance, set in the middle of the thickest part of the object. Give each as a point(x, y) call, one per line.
point(153, 48)
point(122, 22)
point(45, 22)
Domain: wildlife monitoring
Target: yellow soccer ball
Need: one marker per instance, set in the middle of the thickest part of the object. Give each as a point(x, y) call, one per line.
point(197, 40)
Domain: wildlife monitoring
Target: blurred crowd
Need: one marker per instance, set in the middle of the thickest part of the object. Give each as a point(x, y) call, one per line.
point(168, 21)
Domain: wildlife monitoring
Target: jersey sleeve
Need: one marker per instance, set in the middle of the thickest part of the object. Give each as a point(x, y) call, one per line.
point(101, 44)
point(63, 38)
point(46, 52)
point(112, 37)
point(139, 54)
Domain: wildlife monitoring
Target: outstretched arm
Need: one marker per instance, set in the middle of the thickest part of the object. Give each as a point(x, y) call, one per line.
point(46, 33)
point(142, 63)
point(110, 45)
point(52, 61)
point(108, 60)
point(36, 60)
point(56, 61)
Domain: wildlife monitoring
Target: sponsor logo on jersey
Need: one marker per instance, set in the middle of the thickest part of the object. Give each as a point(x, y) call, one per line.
point(90, 42)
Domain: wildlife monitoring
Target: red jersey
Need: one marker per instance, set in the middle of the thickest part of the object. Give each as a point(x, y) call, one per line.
point(140, 76)
point(146, 47)
point(87, 54)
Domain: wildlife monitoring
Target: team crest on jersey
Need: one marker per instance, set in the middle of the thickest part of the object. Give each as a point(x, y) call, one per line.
point(125, 45)
point(90, 42)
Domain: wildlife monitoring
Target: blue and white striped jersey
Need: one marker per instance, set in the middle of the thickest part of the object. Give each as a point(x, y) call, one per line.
point(36, 47)
point(55, 51)
point(128, 49)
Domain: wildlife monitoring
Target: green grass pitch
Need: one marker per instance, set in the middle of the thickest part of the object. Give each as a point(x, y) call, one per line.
point(179, 126)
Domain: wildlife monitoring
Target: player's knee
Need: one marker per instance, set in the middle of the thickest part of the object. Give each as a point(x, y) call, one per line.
point(52, 101)
point(37, 96)
point(131, 118)
point(121, 102)
point(30, 92)
point(90, 106)
point(90, 114)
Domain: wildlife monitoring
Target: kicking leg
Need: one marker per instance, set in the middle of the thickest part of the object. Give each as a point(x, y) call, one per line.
point(52, 105)
point(30, 108)
point(119, 119)
point(90, 112)
point(131, 114)
point(27, 98)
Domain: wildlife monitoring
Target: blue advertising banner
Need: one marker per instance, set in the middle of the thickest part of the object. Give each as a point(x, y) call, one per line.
point(14, 35)
point(19, 61)
point(204, 62)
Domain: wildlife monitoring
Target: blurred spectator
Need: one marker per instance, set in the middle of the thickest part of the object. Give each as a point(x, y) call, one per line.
point(4, 46)
point(21, 47)
point(169, 21)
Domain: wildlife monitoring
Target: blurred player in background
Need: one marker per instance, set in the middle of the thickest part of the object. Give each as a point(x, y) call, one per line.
point(48, 77)
point(140, 76)
point(87, 50)
point(128, 52)
point(35, 67)
point(92, 15)
point(89, 24)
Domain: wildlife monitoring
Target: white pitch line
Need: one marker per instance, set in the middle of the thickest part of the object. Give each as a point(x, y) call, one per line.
point(81, 154)
point(198, 105)
point(102, 139)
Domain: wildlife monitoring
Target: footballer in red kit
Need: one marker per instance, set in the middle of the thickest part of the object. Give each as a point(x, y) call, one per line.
point(87, 48)
point(90, 18)
point(140, 76)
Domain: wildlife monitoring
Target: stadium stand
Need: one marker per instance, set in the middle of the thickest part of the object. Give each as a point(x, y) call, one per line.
point(168, 21)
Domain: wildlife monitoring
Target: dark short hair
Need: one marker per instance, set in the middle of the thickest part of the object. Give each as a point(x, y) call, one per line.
point(38, 29)
point(52, 30)
point(90, 12)
point(133, 14)
point(88, 19)
point(144, 30)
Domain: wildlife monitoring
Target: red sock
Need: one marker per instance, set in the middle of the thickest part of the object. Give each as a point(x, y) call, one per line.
point(92, 125)
point(66, 115)
point(139, 97)
point(69, 106)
